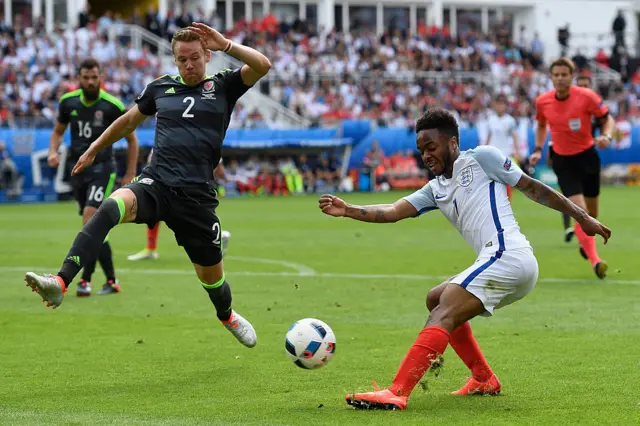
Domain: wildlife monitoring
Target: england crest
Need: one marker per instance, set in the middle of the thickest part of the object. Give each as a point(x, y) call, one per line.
point(466, 176)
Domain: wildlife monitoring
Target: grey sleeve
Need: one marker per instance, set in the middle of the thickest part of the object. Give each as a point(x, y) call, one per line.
point(234, 86)
point(423, 199)
point(146, 100)
point(498, 167)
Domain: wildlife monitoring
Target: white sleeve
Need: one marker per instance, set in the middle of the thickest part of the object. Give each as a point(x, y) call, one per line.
point(423, 199)
point(498, 167)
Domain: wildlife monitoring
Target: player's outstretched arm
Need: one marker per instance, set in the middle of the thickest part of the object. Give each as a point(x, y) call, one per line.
point(547, 196)
point(120, 128)
point(376, 213)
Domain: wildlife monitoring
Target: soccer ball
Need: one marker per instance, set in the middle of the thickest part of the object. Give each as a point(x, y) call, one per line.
point(310, 343)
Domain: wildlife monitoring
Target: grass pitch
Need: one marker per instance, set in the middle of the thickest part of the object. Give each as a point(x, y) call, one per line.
point(155, 354)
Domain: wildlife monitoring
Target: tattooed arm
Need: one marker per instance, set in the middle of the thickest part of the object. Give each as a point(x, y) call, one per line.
point(378, 213)
point(500, 169)
point(381, 213)
point(547, 196)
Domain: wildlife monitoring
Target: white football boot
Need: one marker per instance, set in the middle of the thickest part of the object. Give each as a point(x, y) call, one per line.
point(49, 287)
point(241, 329)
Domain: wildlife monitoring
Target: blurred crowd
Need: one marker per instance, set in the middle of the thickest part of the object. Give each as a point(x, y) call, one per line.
point(36, 68)
point(389, 79)
point(308, 173)
point(281, 175)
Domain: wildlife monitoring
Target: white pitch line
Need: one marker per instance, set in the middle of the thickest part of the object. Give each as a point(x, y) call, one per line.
point(147, 271)
point(299, 268)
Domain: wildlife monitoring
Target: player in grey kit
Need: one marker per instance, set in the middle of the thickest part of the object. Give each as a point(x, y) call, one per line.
point(193, 112)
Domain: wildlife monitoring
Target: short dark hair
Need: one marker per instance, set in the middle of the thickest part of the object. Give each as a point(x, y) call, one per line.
point(89, 64)
point(502, 98)
point(441, 119)
point(563, 62)
point(183, 34)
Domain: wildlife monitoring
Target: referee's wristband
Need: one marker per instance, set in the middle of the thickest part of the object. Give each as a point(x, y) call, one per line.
point(537, 149)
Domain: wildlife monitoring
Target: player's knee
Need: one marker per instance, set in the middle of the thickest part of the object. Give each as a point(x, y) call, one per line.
point(210, 279)
point(441, 317)
point(127, 204)
point(448, 315)
point(433, 298)
point(110, 207)
point(209, 275)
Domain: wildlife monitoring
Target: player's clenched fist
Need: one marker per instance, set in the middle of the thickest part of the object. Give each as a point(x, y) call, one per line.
point(333, 206)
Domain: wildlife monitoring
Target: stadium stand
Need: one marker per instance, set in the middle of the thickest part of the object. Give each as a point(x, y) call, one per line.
point(356, 75)
point(329, 80)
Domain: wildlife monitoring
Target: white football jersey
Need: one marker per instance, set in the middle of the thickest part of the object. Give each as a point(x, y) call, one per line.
point(475, 200)
point(501, 129)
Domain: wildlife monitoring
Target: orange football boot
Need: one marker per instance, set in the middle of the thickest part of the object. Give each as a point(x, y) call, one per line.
point(474, 387)
point(378, 400)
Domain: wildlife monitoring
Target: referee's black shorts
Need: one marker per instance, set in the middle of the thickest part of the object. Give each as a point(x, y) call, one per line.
point(579, 173)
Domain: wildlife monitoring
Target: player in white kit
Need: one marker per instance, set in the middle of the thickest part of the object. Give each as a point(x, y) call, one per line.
point(503, 133)
point(470, 190)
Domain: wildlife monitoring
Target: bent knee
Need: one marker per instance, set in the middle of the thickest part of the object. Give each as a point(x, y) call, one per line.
point(210, 275)
point(214, 280)
point(127, 204)
point(442, 316)
point(433, 299)
point(433, 296)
